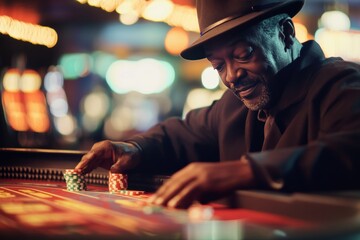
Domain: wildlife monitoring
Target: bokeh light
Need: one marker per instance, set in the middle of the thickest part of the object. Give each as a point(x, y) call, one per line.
point(75, 65)
point(28, 32)
point(53, 81)
point(158, 10)
point(30, 81)
point(210, 78)
point(301, 32)
point(11, 80)
point(146, 76)
point(176, 40)
point(200, 97)
point(335, 20)
point(65, 125)
point(96, 104)
point(129, 18)
point(101, 62)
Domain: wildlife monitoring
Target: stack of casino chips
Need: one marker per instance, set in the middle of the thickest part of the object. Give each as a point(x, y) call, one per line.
point(117, 182)
point(75, 181)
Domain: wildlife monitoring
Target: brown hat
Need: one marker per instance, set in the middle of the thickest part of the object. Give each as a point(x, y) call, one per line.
point(219, 16)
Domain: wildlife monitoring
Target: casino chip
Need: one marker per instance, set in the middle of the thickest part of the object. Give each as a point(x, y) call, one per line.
point(117, 182)
point(131, 192)
point(75, 181)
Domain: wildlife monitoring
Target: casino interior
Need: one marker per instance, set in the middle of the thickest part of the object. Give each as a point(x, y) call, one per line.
point(74, 72)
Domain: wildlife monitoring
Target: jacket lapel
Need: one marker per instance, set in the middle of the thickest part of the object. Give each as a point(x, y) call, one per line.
point(254, 132)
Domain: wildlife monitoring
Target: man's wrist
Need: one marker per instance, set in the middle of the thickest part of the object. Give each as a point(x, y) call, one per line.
point(247, 174)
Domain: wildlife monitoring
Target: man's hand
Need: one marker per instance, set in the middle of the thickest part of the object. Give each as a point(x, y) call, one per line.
point(114, 156)
point(204, 182)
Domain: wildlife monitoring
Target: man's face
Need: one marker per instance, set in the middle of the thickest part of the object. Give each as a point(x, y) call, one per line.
point(247, 66)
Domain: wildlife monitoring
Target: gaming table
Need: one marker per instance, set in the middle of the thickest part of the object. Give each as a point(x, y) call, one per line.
point(34, 204)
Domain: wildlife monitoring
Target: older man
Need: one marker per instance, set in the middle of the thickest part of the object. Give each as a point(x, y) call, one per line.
point(290, 120)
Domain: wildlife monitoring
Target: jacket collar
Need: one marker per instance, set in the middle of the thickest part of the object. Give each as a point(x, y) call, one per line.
point(296, 75)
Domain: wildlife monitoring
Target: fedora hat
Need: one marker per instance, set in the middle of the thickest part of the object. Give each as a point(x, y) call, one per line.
point(217, 17)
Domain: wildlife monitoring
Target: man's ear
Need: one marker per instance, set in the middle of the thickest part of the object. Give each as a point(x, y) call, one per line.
point(287, 31)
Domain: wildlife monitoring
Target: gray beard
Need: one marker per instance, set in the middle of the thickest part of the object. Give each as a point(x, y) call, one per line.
point(262, 103)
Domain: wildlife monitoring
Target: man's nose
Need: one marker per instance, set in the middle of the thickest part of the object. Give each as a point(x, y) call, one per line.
point(234, 74)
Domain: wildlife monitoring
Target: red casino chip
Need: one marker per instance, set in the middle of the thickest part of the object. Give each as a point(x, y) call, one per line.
point(131, 192)
point(117, 182)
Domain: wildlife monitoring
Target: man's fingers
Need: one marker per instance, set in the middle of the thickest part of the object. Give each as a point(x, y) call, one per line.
point(186, 196)
point(170, 189)
point(174, 180)
point(116, 167)
point(85, 165)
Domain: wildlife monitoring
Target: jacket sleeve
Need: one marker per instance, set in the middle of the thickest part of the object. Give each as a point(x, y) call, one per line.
point(173, 143)
point(331, 158)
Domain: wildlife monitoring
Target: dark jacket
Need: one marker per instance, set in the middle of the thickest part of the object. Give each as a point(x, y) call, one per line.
point(317, 140)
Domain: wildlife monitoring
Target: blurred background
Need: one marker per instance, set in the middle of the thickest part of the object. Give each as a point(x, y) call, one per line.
point(74, 72)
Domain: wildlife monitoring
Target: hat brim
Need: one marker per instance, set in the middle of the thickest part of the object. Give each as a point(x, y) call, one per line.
point(196, 50)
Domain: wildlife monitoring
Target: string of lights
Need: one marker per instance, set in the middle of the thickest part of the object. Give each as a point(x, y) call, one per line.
point(28, 32)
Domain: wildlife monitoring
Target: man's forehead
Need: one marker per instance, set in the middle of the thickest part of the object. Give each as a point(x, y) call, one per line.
point(227, 41)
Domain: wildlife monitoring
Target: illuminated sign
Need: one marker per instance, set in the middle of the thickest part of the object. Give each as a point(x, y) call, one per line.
point(23, 102)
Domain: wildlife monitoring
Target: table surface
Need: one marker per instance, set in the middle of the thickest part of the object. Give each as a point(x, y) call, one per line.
point(45, 209)
point(34, 204)
point(42, 208)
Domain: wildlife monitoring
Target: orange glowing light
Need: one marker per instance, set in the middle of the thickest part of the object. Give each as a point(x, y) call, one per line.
point(15, 110)
point(176, 40)
point(37, 114)
point(24, 103)
point(22, 12)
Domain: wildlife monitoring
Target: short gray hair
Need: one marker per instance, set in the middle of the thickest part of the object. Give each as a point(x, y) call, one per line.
point(268, 25)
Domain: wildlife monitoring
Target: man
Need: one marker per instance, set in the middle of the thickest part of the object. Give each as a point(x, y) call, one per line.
point(289, 121)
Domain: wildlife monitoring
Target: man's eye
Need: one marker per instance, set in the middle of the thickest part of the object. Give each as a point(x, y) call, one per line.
point(245, 55)
point(219, 67)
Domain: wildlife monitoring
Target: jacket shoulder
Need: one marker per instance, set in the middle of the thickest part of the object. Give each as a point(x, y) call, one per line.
point(332, 72)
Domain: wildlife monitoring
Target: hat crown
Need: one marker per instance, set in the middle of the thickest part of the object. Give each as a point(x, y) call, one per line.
point(212, 13)
point(217, 17)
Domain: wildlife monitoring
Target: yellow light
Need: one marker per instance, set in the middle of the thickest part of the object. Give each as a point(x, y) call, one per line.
point(301, 32)
point(96, 105)
point(125, 7)
point(185, 17)
point(129, 18)
point(30, 81)
point(27, 32)
point(200, 97)
point(158, 10)
point(126, 114)
point(5, 23)
point(109, 5)
point(94, 3)
point(176, 40)
point(153, 10)
point(11, 80)
point(65, 125)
